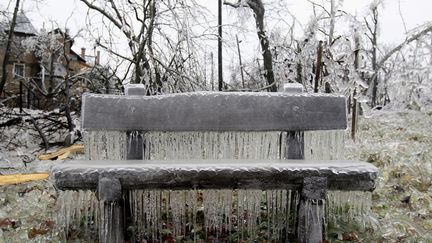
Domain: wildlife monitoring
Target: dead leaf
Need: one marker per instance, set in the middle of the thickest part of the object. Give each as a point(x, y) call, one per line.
point(35, 232)
point(169, 239)
point(49, 224)
point(349, 236)
point(4, 223)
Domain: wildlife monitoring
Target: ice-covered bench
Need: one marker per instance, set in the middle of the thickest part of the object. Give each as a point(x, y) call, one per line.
point(219, 112)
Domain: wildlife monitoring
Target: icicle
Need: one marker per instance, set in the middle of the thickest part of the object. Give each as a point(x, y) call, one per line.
point(150, 213)
point(217, 210)
point(177, 206)
point(224, 211)
point(349, 206)
point(277, 202)
point(77, 209)
point(135, 145)
point(324, 145)
point(191, 211)
point(248, 210)
point(213, 145)
point(110, 222)
point(105, 145)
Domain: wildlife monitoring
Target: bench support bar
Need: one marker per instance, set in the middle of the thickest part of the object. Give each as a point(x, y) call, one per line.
point(311, 210)
point(109, 193)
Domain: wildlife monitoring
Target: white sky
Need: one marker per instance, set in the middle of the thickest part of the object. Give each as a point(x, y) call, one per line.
point(71, 13)
point(415, 12)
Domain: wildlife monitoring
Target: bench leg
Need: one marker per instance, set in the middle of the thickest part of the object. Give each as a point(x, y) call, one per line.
point(295, 145)
point(311, 211)
point(109, 193)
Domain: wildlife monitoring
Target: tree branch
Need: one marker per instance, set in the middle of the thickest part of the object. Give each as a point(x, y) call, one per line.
point(401, 45)
point(44, 139)
point(238, 4)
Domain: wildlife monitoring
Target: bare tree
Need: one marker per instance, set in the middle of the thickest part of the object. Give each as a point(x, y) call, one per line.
point(377, 64)
point(138, 39)
point(162, 65)
point(331, 14)
point(372, 35)
point(259, 10)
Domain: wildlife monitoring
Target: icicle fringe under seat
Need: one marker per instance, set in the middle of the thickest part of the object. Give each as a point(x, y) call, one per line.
point(197, 214)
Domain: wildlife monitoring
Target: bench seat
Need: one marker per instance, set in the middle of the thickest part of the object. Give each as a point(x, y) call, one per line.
point(215, 174)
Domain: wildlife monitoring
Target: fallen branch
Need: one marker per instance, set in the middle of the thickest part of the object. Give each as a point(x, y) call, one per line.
point(20, 178)
point(62, 153)
point(46, 144)
point(11, 122)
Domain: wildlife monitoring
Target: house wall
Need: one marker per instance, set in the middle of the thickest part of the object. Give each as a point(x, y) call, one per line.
point(18, 56)
point(76, 66)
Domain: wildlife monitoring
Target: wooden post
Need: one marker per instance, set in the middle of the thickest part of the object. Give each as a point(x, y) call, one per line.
point(240, 62)
point(28, 103)
point(135, 151)
point(135, 140)
point(220, 74)
point(327, 88)
point(295, 145)
point(295, 139)
point(311, 210)
point(318, 66)
point(21, 96)
point(349, 105)
point(354, 116)
point(212, 71)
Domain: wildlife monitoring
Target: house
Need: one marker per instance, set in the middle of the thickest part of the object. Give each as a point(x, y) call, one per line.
point(39, 64)
point(21, 63)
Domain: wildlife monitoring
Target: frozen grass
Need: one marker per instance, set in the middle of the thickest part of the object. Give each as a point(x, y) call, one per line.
point(399, 143)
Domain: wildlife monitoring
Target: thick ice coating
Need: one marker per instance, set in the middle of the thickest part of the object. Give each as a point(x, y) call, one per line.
point(209, 174)
point(212, 111)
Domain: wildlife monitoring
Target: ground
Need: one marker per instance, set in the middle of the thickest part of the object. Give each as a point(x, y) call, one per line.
point(398, 143)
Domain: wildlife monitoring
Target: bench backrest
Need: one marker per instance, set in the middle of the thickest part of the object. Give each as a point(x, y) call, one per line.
point(214, 111)
point(291, 113)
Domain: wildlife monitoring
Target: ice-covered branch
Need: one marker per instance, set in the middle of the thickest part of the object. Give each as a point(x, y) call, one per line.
point(408, 40)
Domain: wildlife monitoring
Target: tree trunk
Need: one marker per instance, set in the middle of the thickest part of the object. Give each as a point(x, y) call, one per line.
point(51, 74)
point(299, 68)
point(68, 115)
point(258, 9)
point(240, 62)
point(332, 21)
point(8, 47)
point(157, 83)
point(374, 81)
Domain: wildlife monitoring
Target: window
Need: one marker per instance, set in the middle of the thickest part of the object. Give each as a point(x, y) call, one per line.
point(19, 70)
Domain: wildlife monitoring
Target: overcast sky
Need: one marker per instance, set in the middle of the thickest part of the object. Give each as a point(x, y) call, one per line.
point(71, 13)
point(414, 12)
